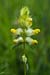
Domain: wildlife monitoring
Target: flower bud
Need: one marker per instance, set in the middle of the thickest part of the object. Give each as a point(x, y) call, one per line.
point(24, 58)
point(28, 22)
point(24, 11)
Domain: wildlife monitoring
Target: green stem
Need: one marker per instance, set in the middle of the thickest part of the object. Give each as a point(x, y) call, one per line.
point(24, 50)
point(24, 69)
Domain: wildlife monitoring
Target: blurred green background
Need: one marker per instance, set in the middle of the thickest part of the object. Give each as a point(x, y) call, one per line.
point(38, 55)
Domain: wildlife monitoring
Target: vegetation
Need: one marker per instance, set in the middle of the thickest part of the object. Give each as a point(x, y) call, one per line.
point(38, 55)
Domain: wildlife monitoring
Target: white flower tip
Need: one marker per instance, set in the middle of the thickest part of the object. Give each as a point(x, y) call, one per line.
point(20, 39)
point(15, 41)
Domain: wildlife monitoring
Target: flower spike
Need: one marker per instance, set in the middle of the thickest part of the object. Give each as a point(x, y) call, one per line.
point(24, 32)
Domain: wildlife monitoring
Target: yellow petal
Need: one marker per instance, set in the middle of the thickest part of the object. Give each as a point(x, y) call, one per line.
point(13, 31)
point(34, 42)
point(36, 31)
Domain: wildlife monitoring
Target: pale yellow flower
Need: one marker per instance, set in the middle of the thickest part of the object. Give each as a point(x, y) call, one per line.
point(31, 41)
point(17, 31)
point(20, 39)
